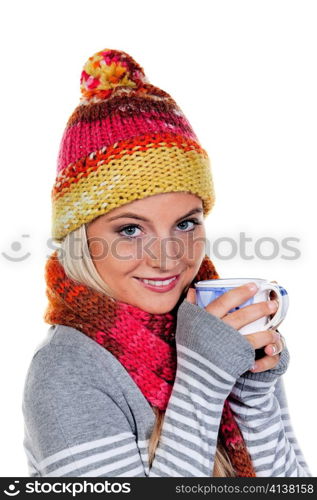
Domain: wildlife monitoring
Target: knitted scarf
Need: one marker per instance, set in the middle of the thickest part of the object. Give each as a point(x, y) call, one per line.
point(143, 342)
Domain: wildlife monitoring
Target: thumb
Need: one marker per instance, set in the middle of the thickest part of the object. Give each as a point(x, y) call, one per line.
point(191, 296)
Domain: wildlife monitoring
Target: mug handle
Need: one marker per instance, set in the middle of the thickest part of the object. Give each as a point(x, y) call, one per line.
point(277, 318)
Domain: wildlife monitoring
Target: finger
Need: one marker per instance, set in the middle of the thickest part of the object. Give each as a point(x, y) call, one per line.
point(266, 363)
point(191, 296)
point(230, 299)
point(262, 338)
point(275, 348)
point(248, 314)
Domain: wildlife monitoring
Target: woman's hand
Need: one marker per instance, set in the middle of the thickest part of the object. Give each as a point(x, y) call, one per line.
point(270, 340)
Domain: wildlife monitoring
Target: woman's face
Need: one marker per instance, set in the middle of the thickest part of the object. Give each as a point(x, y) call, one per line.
point(162, 236)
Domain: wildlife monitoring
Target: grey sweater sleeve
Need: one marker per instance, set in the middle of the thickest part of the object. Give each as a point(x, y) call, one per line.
point(259, 404)
point(210, 357)
point(280, 394)
point(79, 428)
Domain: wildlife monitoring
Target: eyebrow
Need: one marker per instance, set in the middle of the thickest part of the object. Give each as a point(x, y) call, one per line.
point(130, 215)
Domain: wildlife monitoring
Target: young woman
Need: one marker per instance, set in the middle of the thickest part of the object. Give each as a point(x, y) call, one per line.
point(133, 378)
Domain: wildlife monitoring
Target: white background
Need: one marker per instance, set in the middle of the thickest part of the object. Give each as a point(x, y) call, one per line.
point(244, 73)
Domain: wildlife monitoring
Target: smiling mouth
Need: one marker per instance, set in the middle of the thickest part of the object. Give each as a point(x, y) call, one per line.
point(159, 281)
point(159, 285)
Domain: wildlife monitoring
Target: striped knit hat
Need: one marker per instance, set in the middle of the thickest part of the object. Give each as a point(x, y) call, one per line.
point(126, 140)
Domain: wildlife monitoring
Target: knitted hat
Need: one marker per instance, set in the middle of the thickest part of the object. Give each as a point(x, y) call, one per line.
point(126, 140)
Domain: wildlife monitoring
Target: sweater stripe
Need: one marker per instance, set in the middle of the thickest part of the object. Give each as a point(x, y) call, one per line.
point(112, 467)
point(213, 393)
point(199, 401)
point(181, 464)
point(190, 439)
point(188, 353)
point(96, 458)
point(186, 451)
point(136, 472)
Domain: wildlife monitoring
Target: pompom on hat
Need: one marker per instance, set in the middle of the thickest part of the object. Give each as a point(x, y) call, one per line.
point(126, 140)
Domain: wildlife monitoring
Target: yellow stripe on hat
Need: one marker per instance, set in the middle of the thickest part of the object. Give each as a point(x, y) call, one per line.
point(131, 177)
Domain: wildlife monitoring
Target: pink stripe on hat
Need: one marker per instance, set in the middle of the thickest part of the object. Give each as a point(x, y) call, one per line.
point(83, 138)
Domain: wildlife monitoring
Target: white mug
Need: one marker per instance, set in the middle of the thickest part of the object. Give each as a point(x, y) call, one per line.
point(209, 290)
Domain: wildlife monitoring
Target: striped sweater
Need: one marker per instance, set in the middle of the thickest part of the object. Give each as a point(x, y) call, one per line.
point(85, 416)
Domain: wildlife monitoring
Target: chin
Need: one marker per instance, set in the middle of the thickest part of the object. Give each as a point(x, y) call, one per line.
point(156, 310)
point(163, 308)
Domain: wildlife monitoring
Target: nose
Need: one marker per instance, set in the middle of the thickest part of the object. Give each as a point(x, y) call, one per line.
point(163, 253)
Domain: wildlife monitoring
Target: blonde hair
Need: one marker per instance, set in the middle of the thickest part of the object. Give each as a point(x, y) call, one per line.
point(76, 260)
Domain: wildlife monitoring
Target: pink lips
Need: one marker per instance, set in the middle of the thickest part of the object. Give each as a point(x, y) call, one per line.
point(160, 289)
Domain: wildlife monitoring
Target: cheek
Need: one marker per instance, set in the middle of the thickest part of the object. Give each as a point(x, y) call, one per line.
point(98, 249)
point(107, 245)
point(116, 258)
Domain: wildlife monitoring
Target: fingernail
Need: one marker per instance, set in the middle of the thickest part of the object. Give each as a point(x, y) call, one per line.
point(252, 287)
point(254, 367)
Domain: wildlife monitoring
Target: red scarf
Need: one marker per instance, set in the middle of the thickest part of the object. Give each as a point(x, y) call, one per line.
point(144, 343)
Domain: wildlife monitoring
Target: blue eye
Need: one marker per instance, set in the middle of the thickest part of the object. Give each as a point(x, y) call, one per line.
point(128, 228)
point(194, 221)
point(131, 228)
